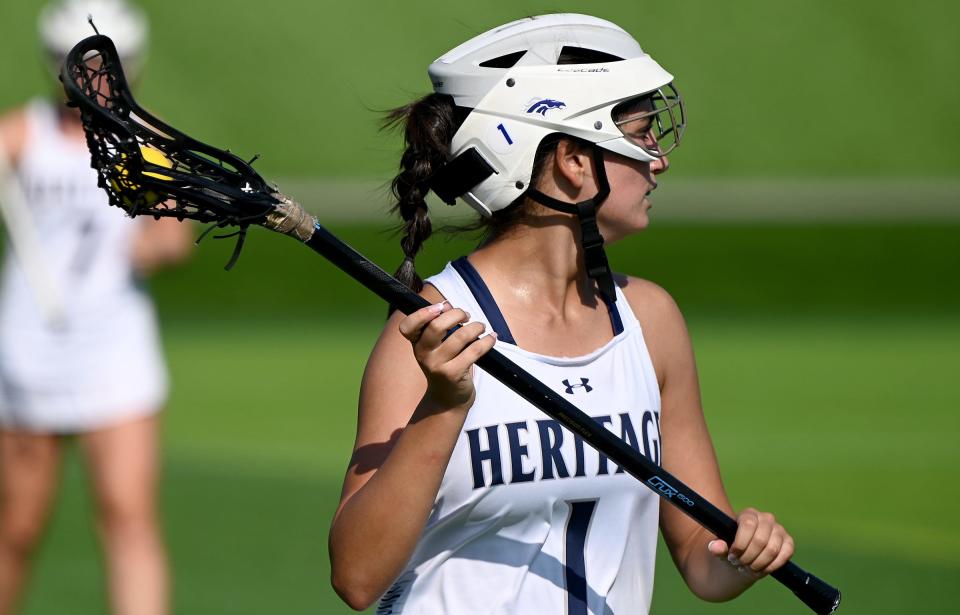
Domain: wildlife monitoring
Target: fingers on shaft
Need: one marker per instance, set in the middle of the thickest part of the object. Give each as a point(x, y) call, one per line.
point(761, 545)
point(435, 334)
point(453, 347)
point(439, 345)
point(761, 530)
point(427, 327)
point(475, 349)
point(786, 552)
point(411, 327)
point(747, 523)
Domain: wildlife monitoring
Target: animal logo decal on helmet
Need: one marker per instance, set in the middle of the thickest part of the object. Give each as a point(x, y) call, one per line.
point(543, 105)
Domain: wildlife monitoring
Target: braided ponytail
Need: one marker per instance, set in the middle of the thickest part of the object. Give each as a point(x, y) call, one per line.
point(429, 125)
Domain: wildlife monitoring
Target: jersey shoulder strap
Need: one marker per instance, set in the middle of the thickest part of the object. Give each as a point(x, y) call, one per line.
point(455, 290)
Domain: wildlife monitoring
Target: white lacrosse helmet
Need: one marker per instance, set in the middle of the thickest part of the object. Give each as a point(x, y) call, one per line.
point(518, 93)
point(63, 23)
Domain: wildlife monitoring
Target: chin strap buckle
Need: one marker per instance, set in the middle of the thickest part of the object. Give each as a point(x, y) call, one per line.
point(594, 256)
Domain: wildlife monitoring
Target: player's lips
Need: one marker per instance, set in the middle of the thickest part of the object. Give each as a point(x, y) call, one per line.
point(646, 196)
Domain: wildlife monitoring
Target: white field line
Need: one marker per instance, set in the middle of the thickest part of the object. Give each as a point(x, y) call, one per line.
point(692, 200)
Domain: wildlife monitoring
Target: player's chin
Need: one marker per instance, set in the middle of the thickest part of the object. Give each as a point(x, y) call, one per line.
point(637, 223)
point(642, 218)
point(641, 224)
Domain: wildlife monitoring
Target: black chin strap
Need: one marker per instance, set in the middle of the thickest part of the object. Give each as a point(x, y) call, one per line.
point(594, 257)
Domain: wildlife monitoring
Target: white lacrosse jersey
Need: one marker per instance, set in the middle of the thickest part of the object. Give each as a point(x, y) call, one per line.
point(528, 518)
point(104, 364)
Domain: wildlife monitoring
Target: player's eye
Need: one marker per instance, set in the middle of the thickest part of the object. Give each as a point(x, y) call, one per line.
point(643, 132)
point(653, 122)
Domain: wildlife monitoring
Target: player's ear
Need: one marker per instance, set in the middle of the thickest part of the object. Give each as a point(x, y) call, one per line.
point(571, 162)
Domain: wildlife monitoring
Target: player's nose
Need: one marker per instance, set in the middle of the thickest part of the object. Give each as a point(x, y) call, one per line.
point(660, 165)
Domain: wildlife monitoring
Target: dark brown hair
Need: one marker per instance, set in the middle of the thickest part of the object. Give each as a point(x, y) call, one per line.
point(429, 125)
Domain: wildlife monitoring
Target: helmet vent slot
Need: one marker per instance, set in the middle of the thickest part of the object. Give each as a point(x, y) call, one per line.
point(506, 61)
point(582, 55)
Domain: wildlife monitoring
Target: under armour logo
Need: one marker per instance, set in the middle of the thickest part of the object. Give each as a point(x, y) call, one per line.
point(247, 188)
point(583, 383)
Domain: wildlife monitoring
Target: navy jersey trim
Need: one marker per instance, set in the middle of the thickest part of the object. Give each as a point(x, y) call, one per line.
point(489, 307)
point(484, 299)
point(575, 569)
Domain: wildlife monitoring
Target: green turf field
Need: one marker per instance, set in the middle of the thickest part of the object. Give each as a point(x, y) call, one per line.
point(827, 357)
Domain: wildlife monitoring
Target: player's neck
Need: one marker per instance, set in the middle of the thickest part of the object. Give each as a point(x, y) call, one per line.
point(539, 263)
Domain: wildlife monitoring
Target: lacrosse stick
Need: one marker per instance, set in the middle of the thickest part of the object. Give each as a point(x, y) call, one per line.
point(23, 239)
point(149, 168)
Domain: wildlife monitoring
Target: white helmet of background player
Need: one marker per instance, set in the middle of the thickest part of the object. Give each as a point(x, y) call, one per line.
point(519, 93)
point(63, 23)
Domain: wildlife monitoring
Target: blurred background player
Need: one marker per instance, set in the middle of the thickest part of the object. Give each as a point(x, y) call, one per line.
point(79, 348)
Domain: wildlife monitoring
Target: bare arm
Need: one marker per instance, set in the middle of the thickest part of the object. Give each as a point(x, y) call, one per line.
point(761, 545)
point(412, 408)
point(13, 135)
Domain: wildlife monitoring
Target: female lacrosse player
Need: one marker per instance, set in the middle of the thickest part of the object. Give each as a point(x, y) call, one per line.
point(84, 359)
point(461, 497)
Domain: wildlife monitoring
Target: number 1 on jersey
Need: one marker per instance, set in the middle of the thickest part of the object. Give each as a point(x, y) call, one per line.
point(575, 570)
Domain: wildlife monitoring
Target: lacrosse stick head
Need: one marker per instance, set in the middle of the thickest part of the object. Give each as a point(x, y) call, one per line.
point(146, 166)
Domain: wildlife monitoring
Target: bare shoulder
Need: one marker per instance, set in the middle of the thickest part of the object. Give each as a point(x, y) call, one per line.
point(431, 294)
point(391, 331)
point(664, 329)
point(651, 303)
point(392, 369)
point(13, 132)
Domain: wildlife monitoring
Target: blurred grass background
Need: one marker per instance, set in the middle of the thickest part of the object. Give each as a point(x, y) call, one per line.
point(822, 308)
point(786, 88)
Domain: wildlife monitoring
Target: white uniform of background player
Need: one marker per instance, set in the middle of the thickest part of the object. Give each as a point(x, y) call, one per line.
point(102, 362)
point(79, 349)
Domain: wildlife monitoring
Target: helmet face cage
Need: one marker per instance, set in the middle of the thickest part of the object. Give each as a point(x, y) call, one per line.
point(654, 122)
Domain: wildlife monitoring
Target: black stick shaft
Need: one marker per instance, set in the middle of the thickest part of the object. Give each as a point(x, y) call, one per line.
point(815, 593)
